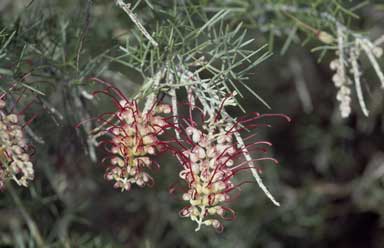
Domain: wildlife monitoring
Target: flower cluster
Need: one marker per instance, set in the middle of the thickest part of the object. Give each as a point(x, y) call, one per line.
point(15, 163)
point(210, 163)
point(343, 84)
point(347, 63)
point(131, 139)
point(211, 152)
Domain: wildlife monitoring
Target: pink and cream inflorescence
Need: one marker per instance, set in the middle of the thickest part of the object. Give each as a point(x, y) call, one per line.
point(131, 139)
point(211, 152)
point(211, 159)
point(15, 162)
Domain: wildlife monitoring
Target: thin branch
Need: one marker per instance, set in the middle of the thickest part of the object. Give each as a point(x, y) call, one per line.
point(254, 170)
point(84, 31)
point(354, 54)
point(27, 217)
point(127, 9)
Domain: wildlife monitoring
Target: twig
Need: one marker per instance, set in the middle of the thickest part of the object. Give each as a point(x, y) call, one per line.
point(365, 44)
point(84, 31)
point(302, 89)
point(354, 54)
point(27, 217)
point(254, 170)
point(154, 83)
point(127, 9)
point(171, 80)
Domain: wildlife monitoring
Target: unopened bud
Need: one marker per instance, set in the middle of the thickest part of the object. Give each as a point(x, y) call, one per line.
point(325, 37)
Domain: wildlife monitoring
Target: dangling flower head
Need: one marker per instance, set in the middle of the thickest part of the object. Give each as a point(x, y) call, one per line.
point(211, 157)
point(15, 161)
point(131, 138)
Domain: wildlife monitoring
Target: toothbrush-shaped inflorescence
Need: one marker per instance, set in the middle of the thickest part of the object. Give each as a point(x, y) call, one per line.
point(131, 139)
point(15, 161)
point(211, 159)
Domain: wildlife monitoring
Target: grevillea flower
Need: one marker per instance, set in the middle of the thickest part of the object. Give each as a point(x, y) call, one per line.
point(211, 159)
point(15, 162)
point(131, 139)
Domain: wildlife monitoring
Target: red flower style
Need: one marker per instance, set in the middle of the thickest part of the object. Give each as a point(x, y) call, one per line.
point(131, 138)
point(211, 159)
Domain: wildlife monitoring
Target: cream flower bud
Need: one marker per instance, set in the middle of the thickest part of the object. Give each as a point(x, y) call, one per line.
point(148, 140)
point(325, 37)
point(12, 118)
point(117, 161)
point(334, 64)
